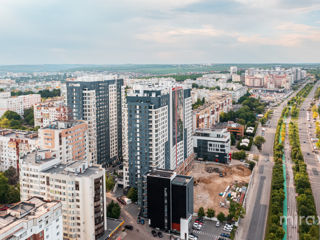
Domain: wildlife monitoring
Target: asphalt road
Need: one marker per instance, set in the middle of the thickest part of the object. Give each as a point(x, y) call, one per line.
point(252, 226)
point(310, 158)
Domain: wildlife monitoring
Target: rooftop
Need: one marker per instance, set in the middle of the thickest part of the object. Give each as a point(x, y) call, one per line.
point(161, 173)
point(181, 180)
point(18, 134)
point(63, 124)
point(49, 163)
point(23, 212)
point(93, 78)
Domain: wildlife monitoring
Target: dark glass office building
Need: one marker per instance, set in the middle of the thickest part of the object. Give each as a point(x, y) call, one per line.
point(169, 199)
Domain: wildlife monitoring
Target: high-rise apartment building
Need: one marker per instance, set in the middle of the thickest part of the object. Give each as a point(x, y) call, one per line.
point(13, 145)
point(32, 219)
point(98, 100)
point(159, 131)
point(48, 112)
point(79, 187)
point(67, 138)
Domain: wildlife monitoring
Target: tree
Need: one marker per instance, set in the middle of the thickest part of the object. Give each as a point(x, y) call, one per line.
point(201, 212)
point(109, 182)
point(210, 213)
point(258, 141)
point(4, 188)
point(113, 210)
point(233, 139)
point(252, 165)
point(239, 155)
point(10, 115)
point(12, 175)
point(133, 194)
point(221, 217)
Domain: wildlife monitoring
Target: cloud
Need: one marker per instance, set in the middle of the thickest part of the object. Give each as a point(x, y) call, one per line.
point(175, 34)
point(153, 31)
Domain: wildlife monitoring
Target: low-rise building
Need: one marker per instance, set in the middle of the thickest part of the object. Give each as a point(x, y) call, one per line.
point(79, 186)
point(48, 112)
point(235, 128)
point(32, 219)
point(13, 145)
point(212, 145)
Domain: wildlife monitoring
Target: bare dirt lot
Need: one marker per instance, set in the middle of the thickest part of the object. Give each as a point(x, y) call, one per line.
point(209, 185)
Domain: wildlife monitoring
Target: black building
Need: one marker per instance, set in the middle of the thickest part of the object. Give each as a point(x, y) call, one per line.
point(169, 199)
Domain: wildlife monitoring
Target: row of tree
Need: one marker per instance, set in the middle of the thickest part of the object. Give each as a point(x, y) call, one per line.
point(44, 93)
point(236, 211)
point(274, 229)
point(305, 201)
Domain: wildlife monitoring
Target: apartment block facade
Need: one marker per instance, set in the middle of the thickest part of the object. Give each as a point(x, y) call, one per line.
point(67, 138)
point(159, 131)
point(48, 112)
point(79, 187)
point(98, 101)
point(17, 104)
point(32, 219)
point(13, 145)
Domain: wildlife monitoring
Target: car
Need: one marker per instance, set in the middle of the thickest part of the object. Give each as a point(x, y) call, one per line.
point(227, 229)
point(223, 234)
point(197, 221)
point(193, 237)
point(120, 200)
point(129, 227)
point(220, 175)
point(228, 235)
point(160, 235)
point(218, 224)
point(200, 219)
point(154, 233)
point(196, 226)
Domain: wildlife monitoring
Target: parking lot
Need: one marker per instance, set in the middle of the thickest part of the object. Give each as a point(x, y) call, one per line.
point(209, 231)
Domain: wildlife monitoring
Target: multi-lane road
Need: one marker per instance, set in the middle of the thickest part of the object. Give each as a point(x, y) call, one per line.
point(252, 227)
point(310, 157)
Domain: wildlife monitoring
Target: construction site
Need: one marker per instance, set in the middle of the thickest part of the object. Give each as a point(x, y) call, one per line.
point(215, 184)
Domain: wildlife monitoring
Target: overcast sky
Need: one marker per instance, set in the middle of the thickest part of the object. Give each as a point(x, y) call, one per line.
point(159, 31)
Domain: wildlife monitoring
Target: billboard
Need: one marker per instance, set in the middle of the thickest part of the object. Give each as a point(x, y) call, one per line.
point(178, 115)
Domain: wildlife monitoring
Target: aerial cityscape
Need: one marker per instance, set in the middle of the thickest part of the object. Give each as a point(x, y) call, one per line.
point(179, 120)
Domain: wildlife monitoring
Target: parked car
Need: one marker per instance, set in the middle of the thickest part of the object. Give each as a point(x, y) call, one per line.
point(120, 200)
point(154, 233)
point(129, 227)
point(192, 237)
point(200, 219)
point(160, 235)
